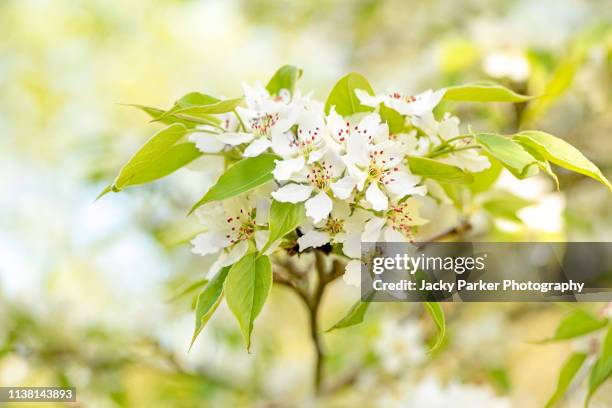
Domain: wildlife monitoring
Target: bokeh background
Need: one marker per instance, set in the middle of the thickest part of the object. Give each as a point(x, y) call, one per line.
point(92, 293)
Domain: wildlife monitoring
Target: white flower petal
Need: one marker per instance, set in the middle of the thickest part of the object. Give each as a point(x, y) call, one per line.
point(228, 258)
point(402, 184)
point(368, 100)
point(449, 128)
point(285, 168)
point(352, 244)
point(261, 238)
point(236, 253)
point(360, 176)
point(372, 229)
point(344, 187)
point(427, 123)
point(206, 143)
point(319, 207)
point(257, 147)
point(357, 149)
point(352, 273)
point(209, 242)
point(292, 193)
point(376, 197)
point(314, 239)
point(235, 139)
point(316, 155)
point(391, 235)
point(281, 143)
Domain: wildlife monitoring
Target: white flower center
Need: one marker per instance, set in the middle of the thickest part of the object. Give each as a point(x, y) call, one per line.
point(242, 226)
point(401, 219)
point(261, 125)
point(320, 175)
point(378, 169)
point(334, 225)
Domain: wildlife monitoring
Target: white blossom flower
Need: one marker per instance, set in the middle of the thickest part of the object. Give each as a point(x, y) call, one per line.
point(306, 146)
point(266, 117)
point(230, 226)
point(380, 167)
point(400, 345)
point(315, 184)
point(469, 159)
point(341, 130)
point(208, 139)
point(404, 104)
point(430, 393)
point(397, 225)
point(340, 227)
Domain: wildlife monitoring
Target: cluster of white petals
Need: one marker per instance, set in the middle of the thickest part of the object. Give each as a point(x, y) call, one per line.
point(351, 173)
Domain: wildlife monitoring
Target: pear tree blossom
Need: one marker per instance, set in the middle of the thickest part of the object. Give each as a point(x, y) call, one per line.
point(305, 183)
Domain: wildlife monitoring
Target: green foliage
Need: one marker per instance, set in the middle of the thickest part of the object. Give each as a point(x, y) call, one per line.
point(602, 370)
point(559, 82)
point(354, 316)
point(439, 171)
point(505, 205)
point(285, 78)
point(161, 155)
point(156, 113)
point(394, 119)
point(190, 288)
point(200, 106)
point(437, 314)
point(483, 180)
point(243, 176)
point(483, 92)
point(561, 153)
point(578, 323)
point(512, 156)
point(284, 218)
point(208, 301)
point(343, 95)
point(247, 287)
point(567, 374)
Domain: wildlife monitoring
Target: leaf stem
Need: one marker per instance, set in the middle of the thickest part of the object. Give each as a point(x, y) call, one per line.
point(240, 120)
point(449, 151)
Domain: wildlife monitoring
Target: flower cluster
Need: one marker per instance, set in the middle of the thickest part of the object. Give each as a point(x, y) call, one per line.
point(350, 172)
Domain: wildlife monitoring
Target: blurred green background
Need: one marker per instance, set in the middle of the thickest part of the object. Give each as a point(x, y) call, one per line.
point(90, 292)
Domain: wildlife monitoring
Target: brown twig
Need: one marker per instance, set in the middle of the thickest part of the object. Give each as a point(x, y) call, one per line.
point(298, 281)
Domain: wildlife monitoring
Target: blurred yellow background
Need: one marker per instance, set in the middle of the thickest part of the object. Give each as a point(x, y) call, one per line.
point(87, 288)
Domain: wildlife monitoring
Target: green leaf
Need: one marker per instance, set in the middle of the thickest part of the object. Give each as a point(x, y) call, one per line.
point(208, 301)
point(394, 119)
point(187, 290)
point(437, 314)
point(284, 218)
point(247, 287)
point(483, 180)
point(543, 164)
point(156, 113)
point(185, 108)
point(354, 316)
point(437, 170)
point(559, 82)
point(578, 323)
point(159, 156)
point(602, 370)
point(243, 176)
point(483, 92)
point(566, 375)
point(520, 163)
point(503, 204)
point(561, 153)
point(285, 78)
point(343, 95)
